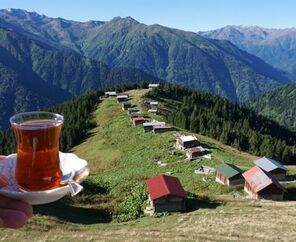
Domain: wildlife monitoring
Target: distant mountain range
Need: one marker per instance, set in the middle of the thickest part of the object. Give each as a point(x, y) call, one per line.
point(279, 105)
point(169, 54)
point(275, 46)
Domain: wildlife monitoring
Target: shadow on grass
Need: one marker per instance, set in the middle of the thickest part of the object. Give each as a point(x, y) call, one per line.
point(290, 178)
point(92, 186)
point(194, 202)
point(207, 146)
point(290, 195)
point(72, 214)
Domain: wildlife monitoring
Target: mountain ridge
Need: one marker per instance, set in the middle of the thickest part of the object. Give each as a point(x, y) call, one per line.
point(276, 46)
point(168, 54)
point(35, 75)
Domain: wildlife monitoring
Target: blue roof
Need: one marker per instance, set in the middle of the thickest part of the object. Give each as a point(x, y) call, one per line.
point(268, 164)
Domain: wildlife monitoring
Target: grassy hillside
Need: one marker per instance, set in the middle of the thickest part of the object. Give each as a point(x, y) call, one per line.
point(121, 157)
point(227, 122)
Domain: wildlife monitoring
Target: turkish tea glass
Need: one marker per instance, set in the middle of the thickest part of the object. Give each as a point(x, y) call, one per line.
point(38, 164)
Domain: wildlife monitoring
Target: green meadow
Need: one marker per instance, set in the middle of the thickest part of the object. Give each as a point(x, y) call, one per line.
point(121, 157)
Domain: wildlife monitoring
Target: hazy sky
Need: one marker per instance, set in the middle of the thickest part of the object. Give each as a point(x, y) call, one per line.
point(193, 15)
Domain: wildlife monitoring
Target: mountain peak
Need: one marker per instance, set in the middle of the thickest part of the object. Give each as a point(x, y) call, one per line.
point(20, 13)
point(15, 11)
point(127, 20)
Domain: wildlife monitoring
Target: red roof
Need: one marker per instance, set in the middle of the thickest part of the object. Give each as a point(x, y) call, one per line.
point(138, 119)
point(163, 185)
point(259, 179)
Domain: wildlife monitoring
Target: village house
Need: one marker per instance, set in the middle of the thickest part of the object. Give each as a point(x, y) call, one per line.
point(166, 194)
point(123, 94)
point(110, 94)
point(195, 152)
point(273, 167)
point(122, 98)
point(259, 184)
point(161, 128)
point(138, 120)
point(152, 111)
point(153, 105)
point(151, 86)
point(186, 142)
point(125, 105)
point(229, 174)
point(149, 125)
point(132, 110)
point(136, 114)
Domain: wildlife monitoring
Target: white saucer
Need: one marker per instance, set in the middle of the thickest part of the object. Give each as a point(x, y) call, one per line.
point(75, 170)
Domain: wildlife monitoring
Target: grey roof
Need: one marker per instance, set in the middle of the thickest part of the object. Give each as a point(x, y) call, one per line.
point(155, 123)
point(122, 96)
point(110, 93)
point(153, 85)
point(268, 164)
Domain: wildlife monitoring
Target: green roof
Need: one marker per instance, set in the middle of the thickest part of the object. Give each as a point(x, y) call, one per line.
point(228, 170)
point(136, 115)
point(126, 103)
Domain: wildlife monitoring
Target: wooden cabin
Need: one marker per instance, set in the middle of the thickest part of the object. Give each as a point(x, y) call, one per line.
point(110, 94)
point(152, 111)
point(186, 142)
point(153, 105)
point(123, 94)
point(260, 184)
point(136, 114)
point(132, 110)
point(166, 194)
point(138, 120)
point(195, 152)
point(273, 167)
point(161, 128)
point(149, 125)
point(125, 105)
point(229, 174)
point(153, 85)
point(122, 98)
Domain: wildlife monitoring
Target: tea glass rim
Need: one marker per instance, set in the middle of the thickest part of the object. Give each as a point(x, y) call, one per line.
point(58, 118)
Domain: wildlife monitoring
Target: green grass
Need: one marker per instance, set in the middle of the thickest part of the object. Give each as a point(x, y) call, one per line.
point(121, 158)
point(117, 151)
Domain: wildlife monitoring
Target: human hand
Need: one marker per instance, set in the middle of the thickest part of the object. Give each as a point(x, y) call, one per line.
point(13, 213)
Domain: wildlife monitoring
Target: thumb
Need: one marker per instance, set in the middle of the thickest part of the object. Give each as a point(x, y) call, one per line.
point(2, 157)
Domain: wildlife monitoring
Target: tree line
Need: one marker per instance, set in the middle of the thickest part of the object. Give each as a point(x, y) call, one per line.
point(228, 122)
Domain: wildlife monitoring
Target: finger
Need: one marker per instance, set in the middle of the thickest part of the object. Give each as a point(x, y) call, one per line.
point(12, 218)
point(16, 205)
point(2, 157)
point(3, 181)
